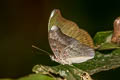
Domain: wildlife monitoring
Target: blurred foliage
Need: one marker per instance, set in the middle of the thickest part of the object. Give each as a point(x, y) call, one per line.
point(33, 77)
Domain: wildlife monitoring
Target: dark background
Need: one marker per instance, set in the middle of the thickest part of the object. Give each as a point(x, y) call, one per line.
point(24, 22)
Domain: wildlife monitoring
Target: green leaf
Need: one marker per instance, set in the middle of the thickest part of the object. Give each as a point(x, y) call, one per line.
point(62, 72)
point(101, 62)
point(108, 46)
point(7, 79)
point(102, 41)
point(100, 37)
point(36, 77)
point(33, 77)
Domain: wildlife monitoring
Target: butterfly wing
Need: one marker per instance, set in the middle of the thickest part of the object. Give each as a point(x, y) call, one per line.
point(68, 50)
point(78, 52)
point(69, 28)
point(58, 42)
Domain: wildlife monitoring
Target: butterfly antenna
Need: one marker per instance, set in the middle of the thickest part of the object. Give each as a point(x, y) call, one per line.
point(33, 46)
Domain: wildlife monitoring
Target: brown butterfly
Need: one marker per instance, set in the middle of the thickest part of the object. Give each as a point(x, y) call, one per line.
point(68, 49)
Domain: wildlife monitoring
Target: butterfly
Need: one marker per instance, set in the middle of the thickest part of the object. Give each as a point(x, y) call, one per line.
point(67, 47)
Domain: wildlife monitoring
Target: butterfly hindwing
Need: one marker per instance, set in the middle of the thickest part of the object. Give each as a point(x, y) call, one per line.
point(68, 50)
